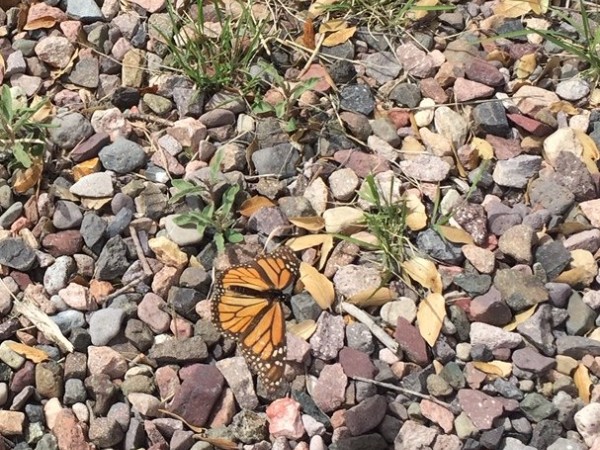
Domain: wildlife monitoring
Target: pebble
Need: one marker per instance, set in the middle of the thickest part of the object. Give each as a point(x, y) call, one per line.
point(573, 90)
point(493, 337)
point(105, 325)
point(285, 419)
point(122, 156)
point(517, 171)
point(329, 391)
point(426, 168)
point(94, 185)
point(357, 98)
point(404, 307)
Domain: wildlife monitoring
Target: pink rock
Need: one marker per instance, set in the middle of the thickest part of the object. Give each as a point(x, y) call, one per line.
point(152, 311)
point(71, 29)
point(285, 419)
point(438, 414)
point(77, 297)
point(105, 360)
point(239, 378)
point(69, 433)
point(357, 363)
point(480, 408)
point(363, 164)
point(151, 6)
point(414, 435)
point(298, 350)
point(430, 88)
point(225, 409)
point(466, 90)
point(111, 121)
point(164, 279)
point(318, 71)
point(181, 328)
point(329, 392)
point(591, 210)
point(530, 125)
point(189, 132)
point(167, 381)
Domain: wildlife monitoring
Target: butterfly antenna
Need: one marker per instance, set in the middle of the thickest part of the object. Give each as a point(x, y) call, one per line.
point(276, 232)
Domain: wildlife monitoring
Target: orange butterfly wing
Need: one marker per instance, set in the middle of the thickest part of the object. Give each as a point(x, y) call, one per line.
point(247, 307)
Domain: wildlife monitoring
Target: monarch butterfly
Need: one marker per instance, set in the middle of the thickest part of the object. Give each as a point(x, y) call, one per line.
point(246, 306)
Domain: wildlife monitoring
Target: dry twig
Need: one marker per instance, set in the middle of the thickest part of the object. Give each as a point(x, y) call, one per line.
point(367, 320)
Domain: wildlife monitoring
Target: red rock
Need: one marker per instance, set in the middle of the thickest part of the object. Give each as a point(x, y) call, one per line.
point(285, 419)
point(90, 148)
point(480, 408)
point(152, 311)
point(438, 415)
point(484, 72)
point(199, 392)
point(363, 164)
point(338, 418)
point(366, 415)
point(504, 148)
point(318, 71)
point(357, 363)
point(62, 243)
point(225, 409)
point(155, 437)
point(530, 125)
point(430, 88)
point(23, 377)
point(411, 342)
point(167, 381)
point(448, 73)
point(329, 392)
point(69, 433)
point(400, 117)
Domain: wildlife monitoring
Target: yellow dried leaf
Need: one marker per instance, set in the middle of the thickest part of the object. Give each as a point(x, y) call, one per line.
point(455, 235)
point(339, 37)
point(430, 317)
point(95, 203)
point(253, 204)
point(512, 8)
point(365, 239)
point(484, 148)
point(424, 272)
point(308, 241)
point(23, 180)
point(520, 318)
point(317, 285)
point(332, 26)
point(33, 354)
point(325, 251)
point(372, 297)
point(583, 269)
point(565, 107)
point(314, 223)
point(582, 380)
point(416, 218)
point(501, 369)
point(319, 7)
point(525, 66)
point(304, 330)
point(437, 366)
point(590, 153)
point(540, 6)
point(420, 9)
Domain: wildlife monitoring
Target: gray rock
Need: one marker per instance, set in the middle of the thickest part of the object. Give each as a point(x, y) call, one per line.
point(536, 407)
point(538, 330)
point(112, 262)
point(9, 216)
point(94, 185)
point(552, 196)
point(85, 10)
point(582, 318)
point(406, 94)
point(519, 290)
point(382, 66)
point(58, 274)
point(69, 319)
point(553, 257)
point(490, 118)
point(16, 254)
point(70, 129)
point(567, 444)
point(67, 215)
point(516, 172)
point(105, 324)
point(431, 243)
point(122, 156)
point(357, 98)
point(304, 307)
point(279, 160)
point(92, 229)
point(577, 346)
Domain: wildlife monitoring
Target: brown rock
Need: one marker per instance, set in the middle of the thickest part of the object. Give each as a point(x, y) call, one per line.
point(411, 342)
point(62, 243)
point(481, 408)
point(69, 433)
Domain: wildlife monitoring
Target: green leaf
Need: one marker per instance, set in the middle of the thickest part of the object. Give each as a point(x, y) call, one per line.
point(303, 87)
point(281, 110)
point(219, 242)
point(21, 155)
point(234, 237)
point(262, 107)
point(215, 165)
point(290, 126)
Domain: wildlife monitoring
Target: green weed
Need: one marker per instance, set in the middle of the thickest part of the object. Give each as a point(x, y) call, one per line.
point(216, 218)
point(22, 136)
point(216, 51)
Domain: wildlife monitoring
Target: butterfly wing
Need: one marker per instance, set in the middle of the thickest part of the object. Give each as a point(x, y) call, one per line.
point(247, 308)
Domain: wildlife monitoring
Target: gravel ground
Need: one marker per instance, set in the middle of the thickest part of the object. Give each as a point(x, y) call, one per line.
point(493, 342)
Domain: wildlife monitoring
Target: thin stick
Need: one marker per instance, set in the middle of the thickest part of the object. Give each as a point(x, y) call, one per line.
point(312, 56)
point(367, 320)
point(125, 288)
point(393, 387)
point(139, 251)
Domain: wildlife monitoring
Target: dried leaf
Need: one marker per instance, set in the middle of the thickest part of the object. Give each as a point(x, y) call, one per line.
point(253, 204)
point(314, 223)
point(23, 180)
point(590, 153)
point(501, 369)
point(372, 297)
point(583, 269)
point(95, 203)
point(31, 353)
point(419, 10)
point(424, 272)
point(582, 380)
point(43, 323)
point(319, 7)
point(2, 68)
point(526, 65)
point(339, 37)
point(325, 251)
point(304, 330)
point(85, 168)
point(332, 26)
point(308, 241)
point(437, 366)
point(317, 285)
point(40, 23)
point(308, 37)
point(483, 148)
point(512, 8)
point(416, 218)
point(456, 235)
point(540, 6)
point(565, 107)
point(520, 318)
point(430, 317)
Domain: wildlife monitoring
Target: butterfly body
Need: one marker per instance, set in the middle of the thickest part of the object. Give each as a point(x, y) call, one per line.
point(246, 307)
